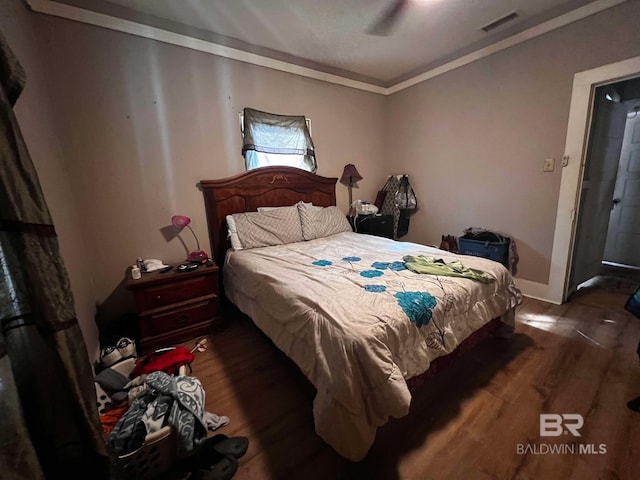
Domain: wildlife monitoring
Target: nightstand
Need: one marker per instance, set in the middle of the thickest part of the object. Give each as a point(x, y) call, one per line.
point(174, 307)
point(379, 225)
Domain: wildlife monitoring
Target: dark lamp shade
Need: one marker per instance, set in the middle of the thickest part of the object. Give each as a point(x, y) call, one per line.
point(350, 175)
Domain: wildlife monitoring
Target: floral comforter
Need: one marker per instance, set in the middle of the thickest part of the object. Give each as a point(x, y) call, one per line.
point(358, 323)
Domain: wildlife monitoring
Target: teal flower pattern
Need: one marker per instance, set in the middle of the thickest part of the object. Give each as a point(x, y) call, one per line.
point(371, 273)
point(351, 259)
point(322, 263)
point(380, 265)
point(417, 305)
point(375, 288)
point(397, 266)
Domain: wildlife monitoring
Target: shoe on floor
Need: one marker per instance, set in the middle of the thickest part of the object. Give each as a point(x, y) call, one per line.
point(233, 446)
point(126, 347)
point(224, 469)
point(109, 356)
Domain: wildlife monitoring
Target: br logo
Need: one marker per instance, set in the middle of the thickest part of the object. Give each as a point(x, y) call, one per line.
point(554, 425)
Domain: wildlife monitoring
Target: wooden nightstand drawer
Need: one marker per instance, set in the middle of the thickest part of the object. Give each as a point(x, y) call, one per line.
point(178, 318)
point(161, 295)
point(174, 307)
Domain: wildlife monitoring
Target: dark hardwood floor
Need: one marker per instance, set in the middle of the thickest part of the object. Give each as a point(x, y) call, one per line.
point(468, 421)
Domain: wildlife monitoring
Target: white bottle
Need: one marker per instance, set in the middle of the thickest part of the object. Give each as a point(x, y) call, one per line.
point(135, 272)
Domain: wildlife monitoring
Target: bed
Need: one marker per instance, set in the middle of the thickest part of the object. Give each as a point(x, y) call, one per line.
point(360, 325)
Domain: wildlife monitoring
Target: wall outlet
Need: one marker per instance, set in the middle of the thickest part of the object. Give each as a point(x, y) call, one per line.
point(549, 165)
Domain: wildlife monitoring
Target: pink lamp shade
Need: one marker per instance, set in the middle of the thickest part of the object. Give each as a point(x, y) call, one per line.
point(180, 221)
point(198, 256)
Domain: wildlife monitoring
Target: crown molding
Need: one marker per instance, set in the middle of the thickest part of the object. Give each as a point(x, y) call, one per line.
point(78, 14)
point(82, 15)
point(528, 34)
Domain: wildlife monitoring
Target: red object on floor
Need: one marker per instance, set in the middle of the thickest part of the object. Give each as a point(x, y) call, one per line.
point(168, 361)
point(109, 419)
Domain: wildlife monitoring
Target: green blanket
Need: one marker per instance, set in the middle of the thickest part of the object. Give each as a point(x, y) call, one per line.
point(437, 266)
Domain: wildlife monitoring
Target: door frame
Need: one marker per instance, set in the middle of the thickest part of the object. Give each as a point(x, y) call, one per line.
point(578, 129)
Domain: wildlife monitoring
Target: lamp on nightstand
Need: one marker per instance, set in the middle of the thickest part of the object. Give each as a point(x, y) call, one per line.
point(198, 256)
point(350, 176)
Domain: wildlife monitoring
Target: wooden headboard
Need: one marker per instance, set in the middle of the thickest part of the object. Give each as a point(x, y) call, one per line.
point(261, 187)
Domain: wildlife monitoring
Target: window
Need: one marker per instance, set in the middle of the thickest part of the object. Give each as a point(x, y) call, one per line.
point(269, 139)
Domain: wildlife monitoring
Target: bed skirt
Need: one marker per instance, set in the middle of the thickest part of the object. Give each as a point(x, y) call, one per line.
point(441, 363)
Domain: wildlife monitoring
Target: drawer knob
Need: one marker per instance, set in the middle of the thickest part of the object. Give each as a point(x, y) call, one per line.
point(157, 297)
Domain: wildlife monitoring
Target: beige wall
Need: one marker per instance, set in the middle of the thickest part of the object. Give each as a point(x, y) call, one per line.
point(474, 139)
point(140, 123)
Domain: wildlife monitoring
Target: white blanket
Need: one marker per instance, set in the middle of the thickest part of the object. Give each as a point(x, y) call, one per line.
point(346, 311)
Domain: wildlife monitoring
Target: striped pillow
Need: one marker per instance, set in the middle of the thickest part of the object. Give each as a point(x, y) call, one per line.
point(263, 229)
point(319, 222)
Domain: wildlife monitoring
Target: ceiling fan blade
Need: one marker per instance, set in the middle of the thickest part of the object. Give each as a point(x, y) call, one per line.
point(388, 18)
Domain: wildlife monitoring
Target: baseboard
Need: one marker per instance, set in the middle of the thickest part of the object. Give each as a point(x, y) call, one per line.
point(539, 291)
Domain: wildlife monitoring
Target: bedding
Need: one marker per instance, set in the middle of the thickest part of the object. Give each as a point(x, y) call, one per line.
point(358, 323)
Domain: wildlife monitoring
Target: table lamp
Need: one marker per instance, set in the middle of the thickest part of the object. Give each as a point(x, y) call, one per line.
point(197, 256)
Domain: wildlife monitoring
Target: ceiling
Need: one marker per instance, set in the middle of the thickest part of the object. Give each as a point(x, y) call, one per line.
point(329, 35)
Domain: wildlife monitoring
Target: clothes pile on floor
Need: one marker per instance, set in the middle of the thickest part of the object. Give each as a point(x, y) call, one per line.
point(153, 396)
point(166, 400)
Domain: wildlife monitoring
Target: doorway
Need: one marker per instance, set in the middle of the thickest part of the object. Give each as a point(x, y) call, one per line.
point(623, 235)
point(607, 227)
point(584, 84)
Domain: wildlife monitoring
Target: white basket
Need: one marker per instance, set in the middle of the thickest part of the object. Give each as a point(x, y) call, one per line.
point(158, 452)
point(156, 455)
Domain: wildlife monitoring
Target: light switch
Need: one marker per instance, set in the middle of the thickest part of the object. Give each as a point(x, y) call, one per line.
point(549, 164)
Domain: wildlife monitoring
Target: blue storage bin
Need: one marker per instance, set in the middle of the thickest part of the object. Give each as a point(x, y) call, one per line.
point(496, 251)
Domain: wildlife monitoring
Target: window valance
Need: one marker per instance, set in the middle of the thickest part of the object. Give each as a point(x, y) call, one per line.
point(276, 135)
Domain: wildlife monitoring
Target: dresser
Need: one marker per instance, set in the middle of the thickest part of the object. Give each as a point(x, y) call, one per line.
point(174, 307)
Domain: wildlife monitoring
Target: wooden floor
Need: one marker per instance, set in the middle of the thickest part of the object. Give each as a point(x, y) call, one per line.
point(468, 421)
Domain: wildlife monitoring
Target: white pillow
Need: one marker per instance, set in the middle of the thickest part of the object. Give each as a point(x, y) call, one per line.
point(319, 222)
point(233, 233)
point(263, 229)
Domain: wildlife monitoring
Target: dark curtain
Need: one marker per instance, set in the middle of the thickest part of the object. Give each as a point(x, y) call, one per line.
point(276, 135)
point(49, 423)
